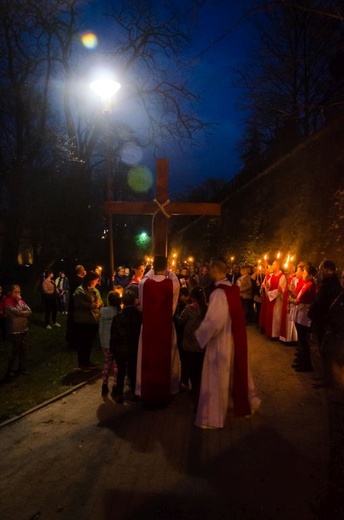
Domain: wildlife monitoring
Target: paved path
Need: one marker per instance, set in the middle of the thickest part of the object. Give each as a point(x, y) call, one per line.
point(85, 457)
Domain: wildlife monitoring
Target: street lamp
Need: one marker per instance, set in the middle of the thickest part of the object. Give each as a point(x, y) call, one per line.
point(106, 88)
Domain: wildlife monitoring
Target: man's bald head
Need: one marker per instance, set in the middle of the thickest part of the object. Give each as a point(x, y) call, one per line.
point(218, 268)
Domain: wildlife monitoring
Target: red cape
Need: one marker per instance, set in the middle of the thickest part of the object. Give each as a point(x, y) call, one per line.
point(240, 366)
point(157, 324)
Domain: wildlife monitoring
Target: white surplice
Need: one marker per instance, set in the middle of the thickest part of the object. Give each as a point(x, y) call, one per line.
point(277, 296)
point(215, 333)
point(175, 361)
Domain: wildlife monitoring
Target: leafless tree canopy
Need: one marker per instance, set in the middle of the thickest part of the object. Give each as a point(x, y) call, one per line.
point(51, 130)
point(289, 88)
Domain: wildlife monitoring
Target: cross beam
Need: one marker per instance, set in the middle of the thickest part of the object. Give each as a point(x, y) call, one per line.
point(161, 208)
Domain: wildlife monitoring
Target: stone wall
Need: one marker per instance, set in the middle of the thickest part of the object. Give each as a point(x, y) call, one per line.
point(295, 206)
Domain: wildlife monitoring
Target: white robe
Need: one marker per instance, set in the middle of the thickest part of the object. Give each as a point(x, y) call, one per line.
point(277, 311)
point(175, 361)
point(215, 333)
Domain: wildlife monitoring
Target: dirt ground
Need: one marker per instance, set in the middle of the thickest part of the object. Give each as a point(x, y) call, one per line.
point(86, 457)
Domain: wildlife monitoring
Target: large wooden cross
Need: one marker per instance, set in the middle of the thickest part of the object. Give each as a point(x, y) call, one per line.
point(161, 208)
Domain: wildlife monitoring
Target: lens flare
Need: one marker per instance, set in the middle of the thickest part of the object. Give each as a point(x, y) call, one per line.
point(140, 179)
point(131, 154)
point(89, 40)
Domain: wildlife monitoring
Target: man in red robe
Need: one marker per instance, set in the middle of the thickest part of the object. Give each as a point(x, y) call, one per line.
point(222, 331)
point(158, 366)
point(274, 289)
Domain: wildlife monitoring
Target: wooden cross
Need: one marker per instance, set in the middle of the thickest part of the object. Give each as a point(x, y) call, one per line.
point(161, 208)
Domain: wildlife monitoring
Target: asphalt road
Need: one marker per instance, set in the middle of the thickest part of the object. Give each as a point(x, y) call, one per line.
point(86, 457)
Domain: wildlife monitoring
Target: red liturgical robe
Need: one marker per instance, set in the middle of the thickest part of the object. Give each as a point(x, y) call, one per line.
point(156, 369)
point(241, 403)
point(223, 327)
point(274, 305)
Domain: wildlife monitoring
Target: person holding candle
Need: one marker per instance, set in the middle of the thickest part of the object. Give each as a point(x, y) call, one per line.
point(87, 305)
point(265, 283)
point(288, 334)
point(303, 302)
point(274, 289)
point(245, 285)
point(257, 279)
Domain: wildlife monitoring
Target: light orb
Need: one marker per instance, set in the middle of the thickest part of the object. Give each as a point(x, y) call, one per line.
point(140, 179)
point(89, 40)
point(131, 153)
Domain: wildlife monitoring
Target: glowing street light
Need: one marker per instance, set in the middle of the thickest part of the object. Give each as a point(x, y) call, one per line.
point(106, 88)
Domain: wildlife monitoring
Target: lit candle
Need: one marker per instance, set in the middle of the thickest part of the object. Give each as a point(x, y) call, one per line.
point(278, 255)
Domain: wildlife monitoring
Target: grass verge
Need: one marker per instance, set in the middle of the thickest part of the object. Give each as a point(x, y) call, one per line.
point(51, 365)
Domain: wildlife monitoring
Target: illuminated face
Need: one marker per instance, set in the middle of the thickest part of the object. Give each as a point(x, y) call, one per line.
point(139, 271)
point(16, 294)
point(299, 272)
point(291, 268)
point(275, 266)
point(213, 272)
point(92, 283)
point(81, 272)
point(306, 276)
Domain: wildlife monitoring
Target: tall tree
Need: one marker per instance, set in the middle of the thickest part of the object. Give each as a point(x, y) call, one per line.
point(287, 82)
point(52, 137)
point(150, 44)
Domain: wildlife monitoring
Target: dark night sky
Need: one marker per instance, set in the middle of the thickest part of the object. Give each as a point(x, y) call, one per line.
point(213, 77)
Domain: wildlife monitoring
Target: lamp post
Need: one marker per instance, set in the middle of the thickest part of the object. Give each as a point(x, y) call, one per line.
point(105, 89)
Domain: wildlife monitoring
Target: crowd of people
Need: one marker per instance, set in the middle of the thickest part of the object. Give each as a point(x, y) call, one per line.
point(163, 331)
point(296, 304)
